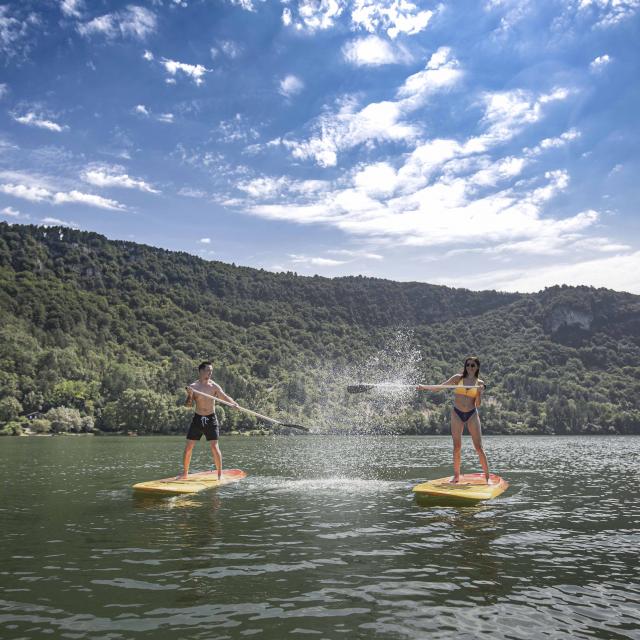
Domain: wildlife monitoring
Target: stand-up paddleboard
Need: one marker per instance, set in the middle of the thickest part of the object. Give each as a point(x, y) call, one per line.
point(195, 483)
point(472, 487)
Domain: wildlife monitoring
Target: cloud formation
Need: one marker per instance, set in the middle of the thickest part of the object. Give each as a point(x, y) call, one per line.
point(290, 86)
point(194, 71)
point(373, 51)
point(377, 122)
point(37, 193)
point(391, 17)
point(132, 22)
point(114, 176)
point(599, 63)
point(33, 120)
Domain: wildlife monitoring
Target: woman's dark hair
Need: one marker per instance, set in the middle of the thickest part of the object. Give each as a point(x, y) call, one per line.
point(204, 365)
point(471, 359)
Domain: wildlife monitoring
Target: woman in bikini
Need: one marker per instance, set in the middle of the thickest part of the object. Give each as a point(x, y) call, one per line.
point(465, 412)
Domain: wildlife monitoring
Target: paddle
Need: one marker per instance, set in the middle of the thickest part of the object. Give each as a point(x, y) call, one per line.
point(363, 388)
point(253, 413)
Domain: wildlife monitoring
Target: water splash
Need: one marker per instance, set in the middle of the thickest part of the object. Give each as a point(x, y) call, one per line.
point(397, 362)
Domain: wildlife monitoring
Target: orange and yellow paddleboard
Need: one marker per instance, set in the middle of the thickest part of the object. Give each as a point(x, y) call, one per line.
point(472, 487)
point(195, 483)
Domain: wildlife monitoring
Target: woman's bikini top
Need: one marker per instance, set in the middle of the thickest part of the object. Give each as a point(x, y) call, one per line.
point(471, 393)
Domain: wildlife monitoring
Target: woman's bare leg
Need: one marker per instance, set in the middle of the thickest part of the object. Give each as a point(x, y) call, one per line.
point(475, 430)
point(456, 433)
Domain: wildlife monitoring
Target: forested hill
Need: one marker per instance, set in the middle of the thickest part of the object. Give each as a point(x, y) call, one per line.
point(104, 334)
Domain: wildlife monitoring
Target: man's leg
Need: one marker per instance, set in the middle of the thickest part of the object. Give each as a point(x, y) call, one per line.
point(457, 426)
point(186, 461)
point(217, 457)
point(476, 436)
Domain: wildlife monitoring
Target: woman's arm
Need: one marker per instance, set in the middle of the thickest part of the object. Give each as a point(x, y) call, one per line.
point(481, 386)
point(452, 381)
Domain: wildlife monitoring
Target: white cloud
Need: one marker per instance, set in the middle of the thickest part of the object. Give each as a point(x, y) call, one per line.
point(599, 63)
point(189, 192)
point(394, 16)
point(378, 121)
point(615, 272)
point(90, 199)
point(560, 141)
point(316, 262)
point(72, 8)
point(264, 187)
point(356, 254)
point(247, 5)
point(230, 48)
point(205, 241)
point(134, 22)
point(607, 13)
point(33, 120)
point(290, 86)
point(14, 30)
point(441, 73)
point(194, 71)
point(36, 191)
point(11, 212)
point(32, 193)
point(4, 89)
point(444, 193)
point(318, 15)
point(56, 222)
point(515, 13)
point(141, 109)
point(373, 51)
point(507, 113)
point(148, 56)
point(236, 129)
point(377, 179)
point(166, 117)
point(114, 176)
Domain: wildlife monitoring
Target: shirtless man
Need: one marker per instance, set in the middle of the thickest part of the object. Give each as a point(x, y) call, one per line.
point(204, 421)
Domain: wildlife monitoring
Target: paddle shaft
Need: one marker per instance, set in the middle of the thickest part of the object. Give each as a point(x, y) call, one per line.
point(366, 387)
point(249, 411)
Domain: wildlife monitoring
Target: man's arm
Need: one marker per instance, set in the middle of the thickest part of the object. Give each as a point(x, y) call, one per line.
point(218, 392)
point(189, 401)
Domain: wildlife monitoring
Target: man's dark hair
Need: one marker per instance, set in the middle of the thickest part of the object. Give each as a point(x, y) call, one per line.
point(204, 365)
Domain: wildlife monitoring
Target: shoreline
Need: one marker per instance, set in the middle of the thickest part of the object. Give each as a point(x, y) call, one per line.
point(325, 434)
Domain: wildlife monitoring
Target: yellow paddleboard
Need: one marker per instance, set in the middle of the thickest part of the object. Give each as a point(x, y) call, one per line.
point(193, 484)
point(471, 487)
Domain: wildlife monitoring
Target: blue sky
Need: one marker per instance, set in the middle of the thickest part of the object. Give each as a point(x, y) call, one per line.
point(481, 144)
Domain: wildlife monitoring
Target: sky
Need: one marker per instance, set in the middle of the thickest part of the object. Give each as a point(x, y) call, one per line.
point(485, 144)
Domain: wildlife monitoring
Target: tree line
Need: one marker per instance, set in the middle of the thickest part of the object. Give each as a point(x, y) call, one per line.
point(100, 335)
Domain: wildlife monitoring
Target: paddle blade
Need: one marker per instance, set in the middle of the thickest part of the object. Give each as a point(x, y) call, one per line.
point(294, 426)
point(359, 388)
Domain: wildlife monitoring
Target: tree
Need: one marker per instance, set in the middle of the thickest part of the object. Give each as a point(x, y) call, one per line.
point(64, 419)
point(10, 409)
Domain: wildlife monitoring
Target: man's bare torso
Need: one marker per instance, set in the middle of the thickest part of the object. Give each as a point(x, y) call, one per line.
point(205, 406)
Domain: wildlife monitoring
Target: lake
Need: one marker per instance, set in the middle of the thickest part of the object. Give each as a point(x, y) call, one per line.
point(323, 539)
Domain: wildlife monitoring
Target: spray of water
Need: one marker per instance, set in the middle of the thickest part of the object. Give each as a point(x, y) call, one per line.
point(379, 411)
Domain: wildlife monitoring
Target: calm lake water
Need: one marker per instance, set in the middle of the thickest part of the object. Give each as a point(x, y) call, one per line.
point(322, 540)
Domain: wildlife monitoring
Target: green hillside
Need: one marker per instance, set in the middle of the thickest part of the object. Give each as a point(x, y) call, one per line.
point(105, 334)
